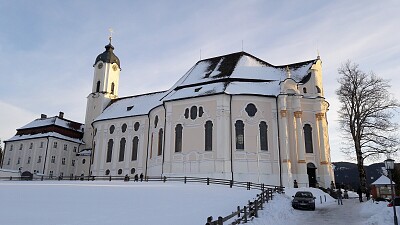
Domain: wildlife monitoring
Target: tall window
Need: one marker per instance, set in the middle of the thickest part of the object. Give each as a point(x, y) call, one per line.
point(39, 159)
point(239, 130)
point(65, 147)
point(160, 141)
point(98, 86)
point(11, 147)
point(53, 159)
point(109, 150)
point(55, 144)
point(308, 138)
point(178, 138)
point(112, 88)
point(263, 136)
point(29, 160)
point(31, 146)
point(135, 144)
point(18, 161)
point(208, 135)
point(21, 146)
point(63, 161)
point(122, 149)
point(9, 161)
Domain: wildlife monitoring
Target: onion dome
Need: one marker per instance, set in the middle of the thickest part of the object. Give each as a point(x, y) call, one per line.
point(108, 56)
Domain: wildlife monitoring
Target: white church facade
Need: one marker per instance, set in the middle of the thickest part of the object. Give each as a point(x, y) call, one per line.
point(233, 117)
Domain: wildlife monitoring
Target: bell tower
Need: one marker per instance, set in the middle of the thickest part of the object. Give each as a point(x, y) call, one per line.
point(104, 89)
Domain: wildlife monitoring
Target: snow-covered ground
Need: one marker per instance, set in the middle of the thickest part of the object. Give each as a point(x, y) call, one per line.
point(118, 202)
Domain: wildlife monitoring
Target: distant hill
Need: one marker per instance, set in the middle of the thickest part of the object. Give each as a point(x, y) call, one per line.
point(346, 173)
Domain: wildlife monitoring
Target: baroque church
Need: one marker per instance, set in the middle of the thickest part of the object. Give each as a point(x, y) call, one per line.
point(233, 116)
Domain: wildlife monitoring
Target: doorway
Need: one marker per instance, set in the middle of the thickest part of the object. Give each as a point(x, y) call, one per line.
point(311, 172)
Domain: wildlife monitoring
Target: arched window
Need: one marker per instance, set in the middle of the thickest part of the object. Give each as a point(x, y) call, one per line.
point(98, 86)
point(122, 149)
point(178, 138)
point(133, 171)
point(136, 126)
point(112, 128)
point(263, 136)
point(124, 127)
point(193, 112)
point(112, 88)
point(304, 90)
point(9, 161)
point(160, 141)
point(186, 113)
point(135, 144)
point(239, 130)
point(201, 111)
point(208, 135)
point(119, 171)
point(29, 160)
point(155, 122)
point(109, 150)
point(308, 138)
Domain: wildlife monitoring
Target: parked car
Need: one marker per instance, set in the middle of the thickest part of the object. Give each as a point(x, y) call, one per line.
point(304, 200)
point(396, 201)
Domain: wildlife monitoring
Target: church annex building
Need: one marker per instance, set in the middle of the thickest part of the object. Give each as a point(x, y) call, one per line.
point(233, 116)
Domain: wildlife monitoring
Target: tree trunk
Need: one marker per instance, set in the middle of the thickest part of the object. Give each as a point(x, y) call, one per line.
point(361, 170)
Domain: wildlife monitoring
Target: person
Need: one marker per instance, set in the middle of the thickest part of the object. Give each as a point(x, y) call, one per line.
point(367, 194)
point(332, 185)
point(136, 178)
point(295, 185)
point(346, 194)
point(141, 177)
point(359, 192)
point(126, 178)
point(339, 197)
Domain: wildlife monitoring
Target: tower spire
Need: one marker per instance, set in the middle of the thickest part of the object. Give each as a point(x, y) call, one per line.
point(111, 33)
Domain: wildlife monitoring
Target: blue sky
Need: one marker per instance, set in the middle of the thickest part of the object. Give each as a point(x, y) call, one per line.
point(47, 48)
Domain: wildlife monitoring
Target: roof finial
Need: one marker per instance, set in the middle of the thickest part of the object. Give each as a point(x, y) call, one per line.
point(288, 72)
point(111, 32)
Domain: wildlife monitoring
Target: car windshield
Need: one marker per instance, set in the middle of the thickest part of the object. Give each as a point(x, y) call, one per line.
point(304, 194)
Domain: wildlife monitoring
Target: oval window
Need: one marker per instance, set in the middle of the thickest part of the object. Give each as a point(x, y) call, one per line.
point(112, 128)
point(136, 126)
point(193, 112)
point(123, 128)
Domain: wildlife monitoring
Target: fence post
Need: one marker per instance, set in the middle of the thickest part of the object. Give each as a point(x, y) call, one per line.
point(238, 211)
point(248, 185)
point(231, 183)
point(220, 220)
point(165, 179)
point(245, 214)
point(10, 178)
point(184, 180)
point(267, 195)
point(271, 194)
point(42, 178)
point(208, 181)
point(261, 205)
point(256, 208)
point(110, 178)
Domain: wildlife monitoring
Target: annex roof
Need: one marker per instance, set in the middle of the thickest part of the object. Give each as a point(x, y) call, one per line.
point(44, 135)
point(57, 121)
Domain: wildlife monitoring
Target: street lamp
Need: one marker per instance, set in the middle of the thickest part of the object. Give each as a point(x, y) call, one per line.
point(389, 165)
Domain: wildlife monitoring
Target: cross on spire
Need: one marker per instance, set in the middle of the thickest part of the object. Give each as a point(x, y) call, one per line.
point(111, 33)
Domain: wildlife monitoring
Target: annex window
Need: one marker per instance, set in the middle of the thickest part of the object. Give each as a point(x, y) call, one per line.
point(98, 86)
point(19, 161)
point(39, 159)
point(112, 88)
point(263, 136)
point(55, 144)
point(135, 145)
point(178, 138)
point(73, 162)
point(208, 135)
point(239, 130)
point(65, 147)
point(83, 161)
point(136, 126)
point(112, 128)
point(160, 141)
point(31, 145)
point(251, 109)
point(122, 149)
point(63, 161)
point(29, 160)
point(75, 149)
point(9, 161)
point(109, 150)
point(308, 138)
point(41, 144)
point(53, 159)
point(123, 128)
point(11, 147)
point(21, 146)
point(51, 173)
point(193, 112)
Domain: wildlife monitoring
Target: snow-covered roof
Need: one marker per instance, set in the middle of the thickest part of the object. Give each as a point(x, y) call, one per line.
point(44, 135)
point(42, 122)
point(233, 74)
point(85, 152)
point(383, 180)
point(132, 106)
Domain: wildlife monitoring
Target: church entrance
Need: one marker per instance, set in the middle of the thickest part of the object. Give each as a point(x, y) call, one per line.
point(312, 178)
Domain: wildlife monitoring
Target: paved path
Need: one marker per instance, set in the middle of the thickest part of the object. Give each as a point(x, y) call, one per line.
point(333, 214)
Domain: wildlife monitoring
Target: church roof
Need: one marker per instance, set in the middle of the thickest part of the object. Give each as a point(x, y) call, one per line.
point(108, 56)
point(233, 74)
point(237, 73)
point(131, 106)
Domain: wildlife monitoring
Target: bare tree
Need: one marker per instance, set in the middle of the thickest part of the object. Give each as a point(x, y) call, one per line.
point(365, 115)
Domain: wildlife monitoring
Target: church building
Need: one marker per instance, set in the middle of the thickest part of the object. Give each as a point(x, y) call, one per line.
point(233, 116)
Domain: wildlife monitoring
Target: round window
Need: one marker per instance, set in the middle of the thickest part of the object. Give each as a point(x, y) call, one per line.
point(107, 172)
point(251, 109)
point(119, 171)
point(123, 128)
point(112, 128)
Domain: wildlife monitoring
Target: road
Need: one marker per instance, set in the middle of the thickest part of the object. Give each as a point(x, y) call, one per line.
point(333, 214)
